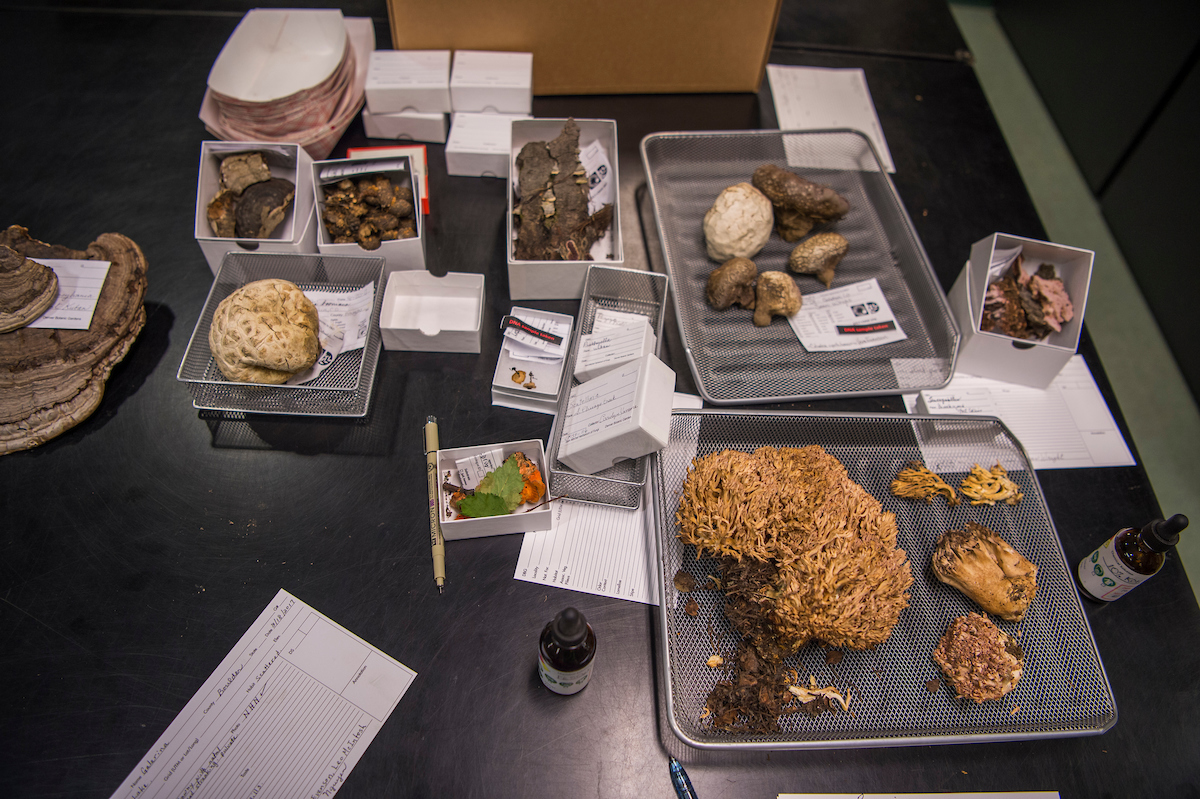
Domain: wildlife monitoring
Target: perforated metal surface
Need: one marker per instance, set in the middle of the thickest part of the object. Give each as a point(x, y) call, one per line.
point(1063, 690)
point(342, 389)
point(735, 362)
point(614, 289)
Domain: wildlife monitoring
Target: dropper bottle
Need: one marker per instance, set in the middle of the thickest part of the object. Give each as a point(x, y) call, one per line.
point(1129, 558)
point(566, 652)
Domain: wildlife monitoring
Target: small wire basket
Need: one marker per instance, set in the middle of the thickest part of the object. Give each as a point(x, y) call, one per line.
point(342, 389)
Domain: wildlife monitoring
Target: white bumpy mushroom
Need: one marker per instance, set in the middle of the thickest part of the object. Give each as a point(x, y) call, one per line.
point(738, 224)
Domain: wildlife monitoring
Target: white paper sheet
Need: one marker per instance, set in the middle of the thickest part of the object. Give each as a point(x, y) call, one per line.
point(79, 285)
point(854, 317)
point(343, 320)
point(289, 712)
point(808, 98)
point(1065, 426)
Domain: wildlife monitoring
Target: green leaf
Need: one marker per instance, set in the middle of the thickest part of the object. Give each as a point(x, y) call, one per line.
point(505, 482)
point(481, 504)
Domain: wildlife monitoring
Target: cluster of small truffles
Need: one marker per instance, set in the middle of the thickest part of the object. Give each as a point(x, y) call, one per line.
point(739, 224)
point(368, 211)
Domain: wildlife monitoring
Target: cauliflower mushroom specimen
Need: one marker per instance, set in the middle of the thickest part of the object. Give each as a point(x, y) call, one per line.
point(987, 569)
point(980, 661)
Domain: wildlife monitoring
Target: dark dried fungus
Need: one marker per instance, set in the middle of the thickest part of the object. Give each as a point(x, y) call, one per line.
point(262, 207)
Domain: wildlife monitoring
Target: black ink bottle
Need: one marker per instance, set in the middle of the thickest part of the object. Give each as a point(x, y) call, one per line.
point(1129, 558)
point(566, 652)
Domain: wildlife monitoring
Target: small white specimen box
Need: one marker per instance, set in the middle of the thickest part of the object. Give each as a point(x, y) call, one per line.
point(1001, 357)
point(563, 280)
point(406, 125)
point(528, 376)
point(417, 155)
point(298, 231)
point(478, 145)
point(604, 350)
point(498, 82)
point(426, 313)
point(621, 415)
point(397, 254)
point(466, 466)
point(416, 81)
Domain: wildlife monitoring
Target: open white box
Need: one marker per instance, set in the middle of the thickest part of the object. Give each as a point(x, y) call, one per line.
point(522, 520)
point(426, 313)
point(298, 231)
point(1002, 357)
point(562, 280)
point(478, 145)
point(489, 81)
point(416, 81)
point(398, 254)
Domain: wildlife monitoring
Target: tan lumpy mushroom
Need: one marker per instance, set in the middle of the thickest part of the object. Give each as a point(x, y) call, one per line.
point(264, 332)
point(798, 203)
point(732, 283)
point(981, 662)
point(819, 255)
point(986, 568)
point(775, 295)
point(738, 224)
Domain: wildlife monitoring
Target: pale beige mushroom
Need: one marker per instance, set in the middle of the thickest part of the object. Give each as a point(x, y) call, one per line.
point(819, 255)
point(738, 224)
point(776, 295)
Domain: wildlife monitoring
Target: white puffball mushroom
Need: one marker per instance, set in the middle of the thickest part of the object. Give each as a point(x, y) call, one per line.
point(738, 224)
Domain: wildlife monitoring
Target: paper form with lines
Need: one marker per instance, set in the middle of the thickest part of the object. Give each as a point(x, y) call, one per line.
point(288, 713)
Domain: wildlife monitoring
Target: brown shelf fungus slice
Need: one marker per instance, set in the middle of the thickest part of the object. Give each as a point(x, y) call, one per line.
point(981, 662)
point(985, 567)
point(27, 289)
point(775, 295)
point(819, 255)
point(732, 283)
point(262, 207)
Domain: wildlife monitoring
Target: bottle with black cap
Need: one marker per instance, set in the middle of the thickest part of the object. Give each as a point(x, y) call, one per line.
point(1129, 558)
point(566, 652)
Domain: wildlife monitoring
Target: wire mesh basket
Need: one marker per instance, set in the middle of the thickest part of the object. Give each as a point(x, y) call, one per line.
point(626, 291)
point(895, 695)
point(735, 362)
point(342, 389)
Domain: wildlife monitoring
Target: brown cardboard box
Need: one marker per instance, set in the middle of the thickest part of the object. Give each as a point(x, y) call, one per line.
point(615, 47)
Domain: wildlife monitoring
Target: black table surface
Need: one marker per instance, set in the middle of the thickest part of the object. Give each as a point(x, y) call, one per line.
point(138, 546)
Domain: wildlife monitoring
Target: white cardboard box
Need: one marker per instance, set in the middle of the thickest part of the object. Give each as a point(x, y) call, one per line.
point(539, 391)
point(417, 155)
point(563, 280)
point(405, 125)
point(426, 313)
point(399, 254)
point(416, 81)
point(489, 81)
point(298, 231)
point(1004, 358)
point(522, 520)
point(479, 145)
point(623, 414)
point(604, 350)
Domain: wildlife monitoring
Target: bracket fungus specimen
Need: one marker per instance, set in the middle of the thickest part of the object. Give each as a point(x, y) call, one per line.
point(799, 204)
point(1026, 306)
point(985, 567)
point(27, 289)
point(551, 210)
point(980, 661)
point(51, 380)
point(738, 224)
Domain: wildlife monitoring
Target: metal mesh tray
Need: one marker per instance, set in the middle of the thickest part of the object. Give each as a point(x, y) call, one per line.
point(1063, 690)
point(735, 362)
point(342, 389)
point(614, 289)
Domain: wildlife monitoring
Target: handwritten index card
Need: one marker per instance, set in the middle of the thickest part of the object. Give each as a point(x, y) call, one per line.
point(289, 712)
point(79, 285)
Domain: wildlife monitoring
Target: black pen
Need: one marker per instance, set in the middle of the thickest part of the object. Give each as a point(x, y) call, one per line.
point(679, 778)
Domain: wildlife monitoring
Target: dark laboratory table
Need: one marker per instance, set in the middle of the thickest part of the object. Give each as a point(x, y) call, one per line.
point(140, 545)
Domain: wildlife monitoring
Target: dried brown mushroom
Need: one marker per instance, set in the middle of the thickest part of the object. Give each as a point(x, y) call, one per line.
point(242, 170)
point(982, 565)
point(738, 224)
point(264, 332)
point(27, 289)
point(61, 375)
point(798, 203)
point(819, 255)
point(987, 487)
point(775, 295)
point(980, 661)
point(368, 211)
point(732, 283)
point(915, 481)
point(262, 207)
